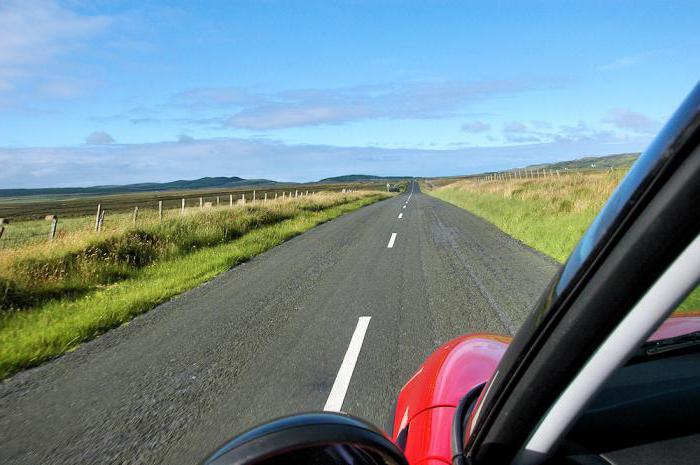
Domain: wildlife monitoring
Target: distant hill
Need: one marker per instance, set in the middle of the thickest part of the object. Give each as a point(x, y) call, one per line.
point(361, 178)
point(620, 160)
point(202, 183)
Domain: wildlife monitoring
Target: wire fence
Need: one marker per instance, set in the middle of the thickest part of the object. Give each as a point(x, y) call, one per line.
point(540, 173)
point(106, 217)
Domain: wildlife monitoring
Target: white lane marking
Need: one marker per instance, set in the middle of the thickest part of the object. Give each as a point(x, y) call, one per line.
point(400, 215)
point(404, 206)
point(342, 379)
point(391, 241)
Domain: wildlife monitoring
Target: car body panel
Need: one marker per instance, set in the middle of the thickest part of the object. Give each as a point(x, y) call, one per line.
point(426, 403)
point(677, 325)
point(429, 436)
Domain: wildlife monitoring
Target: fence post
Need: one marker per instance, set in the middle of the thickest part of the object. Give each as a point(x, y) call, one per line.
point(217, 200)
point(160, 210)
point(243, 198)
point(265, 200)
point(54, 223)
point(136, 214)
point(275, 195)
point(230, 201)
point(253, 195)
point(296, 193)
point(97, 217)
point(102, 220)
point(182, 208)
point(201, 203)
point(3, 222)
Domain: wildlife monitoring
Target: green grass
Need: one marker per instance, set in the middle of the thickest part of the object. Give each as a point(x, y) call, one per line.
point(29, 337)
point(549, 215)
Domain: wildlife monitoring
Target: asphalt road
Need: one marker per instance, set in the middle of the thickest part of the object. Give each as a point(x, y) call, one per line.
point(267, 338)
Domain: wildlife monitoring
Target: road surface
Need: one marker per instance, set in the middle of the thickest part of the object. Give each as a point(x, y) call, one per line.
point(268, 338)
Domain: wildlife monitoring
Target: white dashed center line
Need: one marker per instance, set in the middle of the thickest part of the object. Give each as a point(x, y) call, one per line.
point(404, 206)
point(400, 215)
point(391, 241)
point(342, 379)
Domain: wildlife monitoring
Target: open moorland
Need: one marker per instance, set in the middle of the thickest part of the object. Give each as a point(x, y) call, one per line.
point(25, 215)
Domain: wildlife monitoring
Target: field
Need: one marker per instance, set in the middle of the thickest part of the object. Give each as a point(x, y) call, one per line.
point(77, 213)
point(56, 295)
point(549, 214)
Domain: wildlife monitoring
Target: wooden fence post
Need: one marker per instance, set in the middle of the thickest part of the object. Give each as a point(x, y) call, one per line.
point(253, 195)
point(136, 214)
point(182, 208)
point(217, 200)
point(201, 203)
point(54, 223)
point(3, 222)
point(265, 200)
point(160, 210)
point(296, 193)
point(97, 217)
point(102, 220)
point(230, 201)
point(243, 198)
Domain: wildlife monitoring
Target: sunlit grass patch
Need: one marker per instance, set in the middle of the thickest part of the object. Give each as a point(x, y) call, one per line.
point(68, 317)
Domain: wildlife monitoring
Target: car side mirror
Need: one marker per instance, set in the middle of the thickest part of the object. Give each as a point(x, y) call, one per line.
point(310, 438)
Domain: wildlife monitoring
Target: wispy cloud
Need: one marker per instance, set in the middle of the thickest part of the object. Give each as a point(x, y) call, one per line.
point(242, 108)
point(628, 61)
point(518, 132)
point(624, 118)
point(624, 62)
point(36, 33)
point(475, 127)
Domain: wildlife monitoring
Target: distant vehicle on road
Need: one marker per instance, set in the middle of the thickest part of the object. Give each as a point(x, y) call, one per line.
point(602, 372)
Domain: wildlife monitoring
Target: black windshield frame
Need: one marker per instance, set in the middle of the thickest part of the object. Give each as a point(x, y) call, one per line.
point(654, 168)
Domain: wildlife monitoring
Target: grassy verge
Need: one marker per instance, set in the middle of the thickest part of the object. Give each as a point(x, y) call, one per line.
point(549, 215)
point(30, 336)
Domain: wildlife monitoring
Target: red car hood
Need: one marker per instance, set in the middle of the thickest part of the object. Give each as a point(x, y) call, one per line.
point(677, 325)
point(426, 404)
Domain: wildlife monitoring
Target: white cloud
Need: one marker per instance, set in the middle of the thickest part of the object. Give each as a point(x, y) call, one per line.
point(515, 127)
point(99, 138)
point(475, 127)
point(311, 107)
point(517, 132)
point(39, 32)
point(624, 118)
point(624, 62)
point(128, 163)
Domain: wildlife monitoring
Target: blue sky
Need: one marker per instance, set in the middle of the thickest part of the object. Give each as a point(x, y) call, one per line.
point(120, 91)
